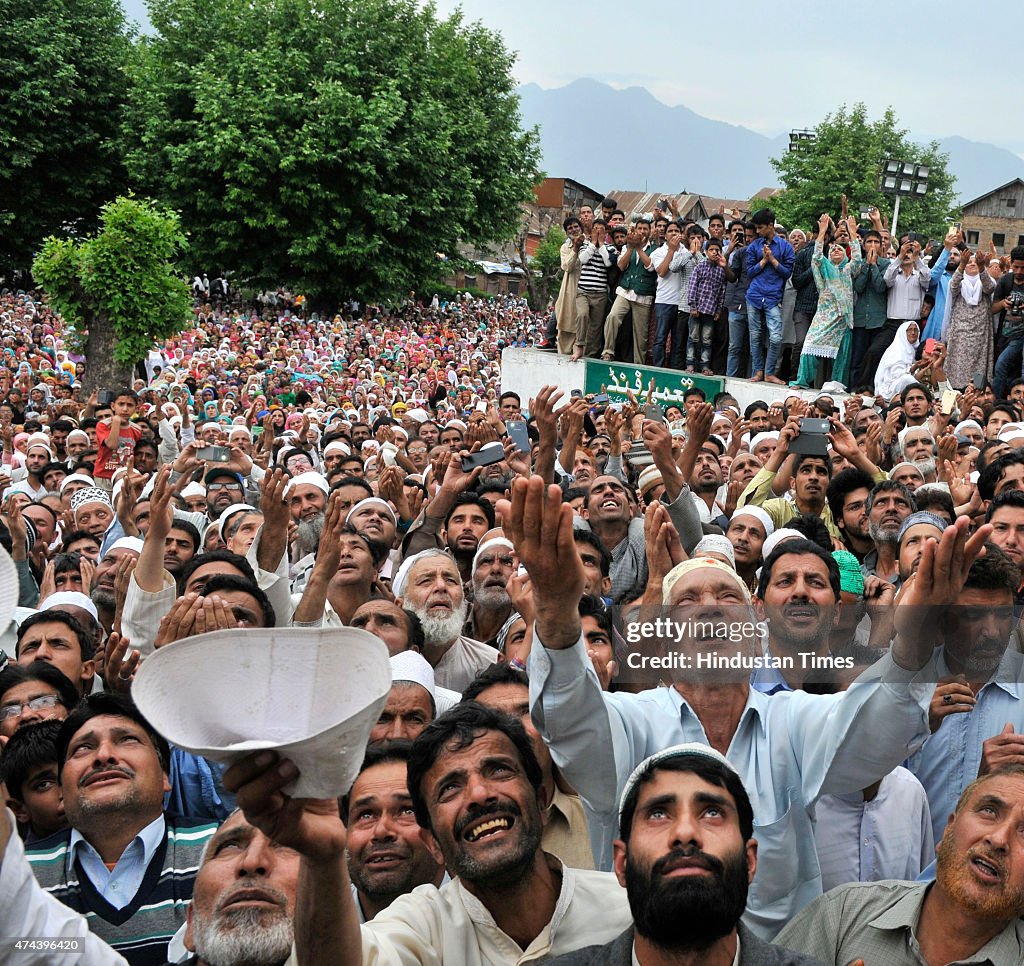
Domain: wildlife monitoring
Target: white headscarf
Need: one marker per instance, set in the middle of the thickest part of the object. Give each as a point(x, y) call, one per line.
point(894, 367)
point(970, 289)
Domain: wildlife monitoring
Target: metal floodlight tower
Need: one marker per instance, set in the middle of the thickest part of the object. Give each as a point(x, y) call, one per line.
point(903, 179)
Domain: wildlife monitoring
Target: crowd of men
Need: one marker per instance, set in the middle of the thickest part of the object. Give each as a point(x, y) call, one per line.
point(560, 773)
point(840, 302)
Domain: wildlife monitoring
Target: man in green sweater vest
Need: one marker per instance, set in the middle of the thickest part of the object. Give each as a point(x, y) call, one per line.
point(123, 864)
point(635, 292)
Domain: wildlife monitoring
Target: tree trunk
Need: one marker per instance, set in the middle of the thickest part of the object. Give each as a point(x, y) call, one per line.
point(102, 371)
point(531, 289)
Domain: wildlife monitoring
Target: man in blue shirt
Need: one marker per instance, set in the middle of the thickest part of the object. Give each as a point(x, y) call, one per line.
point(789, 748)
point(769, 262)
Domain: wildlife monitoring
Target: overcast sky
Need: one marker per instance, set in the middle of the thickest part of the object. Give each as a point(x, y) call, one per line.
point(775, 66)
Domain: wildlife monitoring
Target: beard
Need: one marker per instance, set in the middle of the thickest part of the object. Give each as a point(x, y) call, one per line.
point(883, 535)
point(926, 466)
point(103, 599)
point(691, 913)
point(441, 630)
point(243, 937)
point(492, 598)
point(953, 876)
point(308, 533)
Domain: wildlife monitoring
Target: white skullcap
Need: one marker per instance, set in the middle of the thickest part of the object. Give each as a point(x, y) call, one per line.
point(312, 478)
point(493, 542)
point(759, 514)
point(39, 445)
point(134, 544)
point(71, 598)
point(761, 437)
point(372, 501)
point(228, 513)
point(967, 424)
point(680, 570)
point(420, 415)
point(1010, 432)
point(337, 446)
point(193, 489)
point(779, 536)
point(411, 666)
point(76, 478)
point(903, 433)
point(716, 543)
point(78, 434)
point(692, 749)
point(899, 466)
point(455, 424)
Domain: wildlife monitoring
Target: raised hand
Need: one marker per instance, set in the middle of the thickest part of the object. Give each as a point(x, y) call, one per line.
point(539, 525)
point(120, 664)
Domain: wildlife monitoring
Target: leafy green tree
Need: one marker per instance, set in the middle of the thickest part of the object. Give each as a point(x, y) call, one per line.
point(547, 261)
point(335, 146)
point(847, 157)
point(62, 89)
point(118, 287)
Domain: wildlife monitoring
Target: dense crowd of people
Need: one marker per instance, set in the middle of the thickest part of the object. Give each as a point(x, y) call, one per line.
point(836, 302)
point(694, 684)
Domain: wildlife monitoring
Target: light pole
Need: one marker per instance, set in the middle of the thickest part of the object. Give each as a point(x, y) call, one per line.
point(904, 179)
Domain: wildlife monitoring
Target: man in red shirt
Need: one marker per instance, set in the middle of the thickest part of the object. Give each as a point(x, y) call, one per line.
point(116, 437)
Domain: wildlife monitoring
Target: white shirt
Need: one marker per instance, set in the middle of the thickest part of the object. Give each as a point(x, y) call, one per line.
point(889, 837)
point(452, 927)
point(669, 288)
point(461, 662)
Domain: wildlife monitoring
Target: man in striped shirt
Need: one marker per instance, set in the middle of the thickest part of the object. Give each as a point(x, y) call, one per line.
point(596, 260)
point(123, 865)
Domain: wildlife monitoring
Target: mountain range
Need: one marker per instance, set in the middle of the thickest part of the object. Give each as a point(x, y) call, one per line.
point(605, 138)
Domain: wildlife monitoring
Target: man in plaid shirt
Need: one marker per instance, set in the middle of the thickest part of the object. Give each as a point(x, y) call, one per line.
point(707, 298)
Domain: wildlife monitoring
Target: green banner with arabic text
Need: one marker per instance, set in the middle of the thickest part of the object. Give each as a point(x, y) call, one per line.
point(670, 385)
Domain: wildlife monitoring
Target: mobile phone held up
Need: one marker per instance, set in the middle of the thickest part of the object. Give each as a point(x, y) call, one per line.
point(213, 454)
point(520, 436)
point(485, 456)
point(813, 438)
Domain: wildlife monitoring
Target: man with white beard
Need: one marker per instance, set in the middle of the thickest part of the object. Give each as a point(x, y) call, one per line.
point(307, 501)
point(918, 447)
point(428, 583)
point(492, 605)
point(243, 901)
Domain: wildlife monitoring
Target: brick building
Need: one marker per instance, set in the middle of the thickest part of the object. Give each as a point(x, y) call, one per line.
point(996, 217)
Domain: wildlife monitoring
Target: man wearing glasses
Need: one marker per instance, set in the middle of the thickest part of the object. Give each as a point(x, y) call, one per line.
point(223, 487)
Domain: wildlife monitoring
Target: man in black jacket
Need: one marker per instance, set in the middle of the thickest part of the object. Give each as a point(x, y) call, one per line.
point(686, 856)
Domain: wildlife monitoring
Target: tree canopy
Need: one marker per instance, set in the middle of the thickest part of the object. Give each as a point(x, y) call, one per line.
point(335, 146)
point(846, 157)
point(62, 89)
point(118, 288)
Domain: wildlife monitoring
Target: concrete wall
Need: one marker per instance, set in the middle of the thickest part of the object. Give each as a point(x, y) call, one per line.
point(526, 371)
